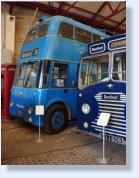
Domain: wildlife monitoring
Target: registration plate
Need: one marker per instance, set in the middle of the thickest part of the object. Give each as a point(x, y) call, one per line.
point(114, 139)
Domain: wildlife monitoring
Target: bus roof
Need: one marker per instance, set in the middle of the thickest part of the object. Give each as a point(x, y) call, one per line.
point(45, 19)
point(114, 43)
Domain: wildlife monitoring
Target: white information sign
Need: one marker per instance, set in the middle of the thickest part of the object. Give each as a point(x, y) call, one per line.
point(40, 110)
point(103, 119)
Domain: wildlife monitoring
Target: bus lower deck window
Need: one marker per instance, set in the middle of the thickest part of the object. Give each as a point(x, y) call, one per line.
point(93, 70)
point(119, 66)
point(19, 75)
point(60, 72)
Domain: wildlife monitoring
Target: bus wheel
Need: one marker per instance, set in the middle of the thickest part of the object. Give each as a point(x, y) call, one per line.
point(56, 119)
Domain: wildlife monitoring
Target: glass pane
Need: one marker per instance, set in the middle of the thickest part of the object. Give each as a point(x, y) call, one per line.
point(119, 66)
point(66, 30)
point(30, 36)
point(31, 74)
point(93, 70)
point(46, 68)
point(82, 36)
point(42, 31)
point(96, 37)
point(19, 75)
point(60, 74)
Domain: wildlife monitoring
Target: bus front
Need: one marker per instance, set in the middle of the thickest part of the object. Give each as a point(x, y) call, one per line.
point(102, 88)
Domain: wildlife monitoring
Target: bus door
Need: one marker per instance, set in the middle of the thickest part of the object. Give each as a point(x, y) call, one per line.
point(104, 91)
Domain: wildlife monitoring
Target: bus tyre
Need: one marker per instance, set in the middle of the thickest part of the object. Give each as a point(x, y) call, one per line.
point(56, 119)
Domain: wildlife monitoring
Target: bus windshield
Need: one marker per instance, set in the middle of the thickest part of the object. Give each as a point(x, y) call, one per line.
point(26, 75)
point(93, 70)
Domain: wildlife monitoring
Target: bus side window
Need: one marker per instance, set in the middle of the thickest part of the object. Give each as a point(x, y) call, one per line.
point(46, 69)
point(83, 76)
point(42, 31)
point(66, 30)
point(96, 37)
point(60, 75)
point(82, 36)
point(119, 66)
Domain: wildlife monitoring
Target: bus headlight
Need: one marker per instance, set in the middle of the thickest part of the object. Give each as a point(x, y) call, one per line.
point(85, 108)
point(30, 110)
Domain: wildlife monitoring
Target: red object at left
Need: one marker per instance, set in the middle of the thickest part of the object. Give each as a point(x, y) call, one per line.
point(7, 76)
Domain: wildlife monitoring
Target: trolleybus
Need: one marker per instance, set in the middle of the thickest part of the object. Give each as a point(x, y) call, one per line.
point(46, 73)
point(102, 88)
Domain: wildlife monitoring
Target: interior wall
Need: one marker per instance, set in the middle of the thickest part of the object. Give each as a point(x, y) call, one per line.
point(23, 18)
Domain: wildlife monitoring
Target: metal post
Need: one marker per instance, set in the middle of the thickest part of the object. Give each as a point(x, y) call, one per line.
point(39, 139)
point(103, 143)
point(103, 160)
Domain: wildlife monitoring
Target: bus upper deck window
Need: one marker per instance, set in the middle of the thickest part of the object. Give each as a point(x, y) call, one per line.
point(66, 30)
point(42, 31)
point(30, 36)
point(82, 36)
point(96, 37)
point(119, 66)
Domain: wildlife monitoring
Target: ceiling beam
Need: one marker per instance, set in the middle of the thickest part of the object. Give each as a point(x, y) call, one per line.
point(55, 11)
point(111, 15)
point(118, 6)
point(120, 23)
point(110, 7)
point(91, 13)
point(98, 11)
point(71, 6)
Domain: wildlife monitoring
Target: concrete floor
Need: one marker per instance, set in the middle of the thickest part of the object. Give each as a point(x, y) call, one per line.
point(70, 147)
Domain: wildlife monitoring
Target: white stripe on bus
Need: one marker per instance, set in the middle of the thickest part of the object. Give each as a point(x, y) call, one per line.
point(113, 126)
point(115, 112)
point(111, 133)
point(111, 108)
point(109, 129)
point(113, 101)
point(108, 104)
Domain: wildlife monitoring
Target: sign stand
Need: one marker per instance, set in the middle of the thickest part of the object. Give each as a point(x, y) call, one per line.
point(103, 121)
point(39, 140)
point(103, 160)
point(39, 111)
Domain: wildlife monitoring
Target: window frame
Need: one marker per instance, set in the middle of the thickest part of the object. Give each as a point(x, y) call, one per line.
point(19, 65)
point(91, 34)
point(44, 25)
point(35, 83)
point(109, 69)
point(60, 35)
point(112, 55)
point(52, 83)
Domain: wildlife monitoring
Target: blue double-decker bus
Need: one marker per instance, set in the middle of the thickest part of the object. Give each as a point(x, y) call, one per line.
point(102, 88)
point(46, 73)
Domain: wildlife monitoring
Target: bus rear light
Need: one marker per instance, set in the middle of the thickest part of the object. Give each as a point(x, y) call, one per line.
point(86, 108)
